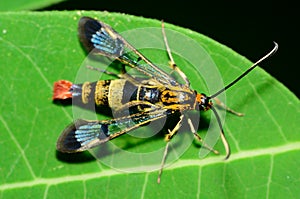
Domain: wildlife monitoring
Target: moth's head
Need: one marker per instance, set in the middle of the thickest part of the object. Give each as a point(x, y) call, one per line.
point(204, 102)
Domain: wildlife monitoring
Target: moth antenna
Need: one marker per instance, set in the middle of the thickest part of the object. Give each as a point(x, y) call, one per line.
point(247, 71)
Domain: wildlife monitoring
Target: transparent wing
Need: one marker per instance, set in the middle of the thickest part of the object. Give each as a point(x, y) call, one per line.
point(100, 38)
point(83, 135)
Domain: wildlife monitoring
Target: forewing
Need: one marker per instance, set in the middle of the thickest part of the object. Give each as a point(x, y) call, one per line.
point(99, 38)
point(83, 135)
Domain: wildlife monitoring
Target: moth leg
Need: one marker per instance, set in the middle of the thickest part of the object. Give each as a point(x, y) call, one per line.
point(163, 162)
point(168, 138)
point(122, 75)
point(170, 135)
point(172, 62)
point(220, 104)
point(197, 136)
point(104, 71)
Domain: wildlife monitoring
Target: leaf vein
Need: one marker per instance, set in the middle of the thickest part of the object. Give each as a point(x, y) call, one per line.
point(268, 112)
point(18, 146)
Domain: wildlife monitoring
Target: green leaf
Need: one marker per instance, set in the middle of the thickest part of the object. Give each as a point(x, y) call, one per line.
point(37, 49)
point(15, 5)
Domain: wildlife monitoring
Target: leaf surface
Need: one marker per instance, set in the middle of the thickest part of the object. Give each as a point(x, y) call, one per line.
point(25, 4)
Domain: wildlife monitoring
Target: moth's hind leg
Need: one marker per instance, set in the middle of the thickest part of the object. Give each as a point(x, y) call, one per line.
point(122, 75)
point(172, 62)
point(104, 71)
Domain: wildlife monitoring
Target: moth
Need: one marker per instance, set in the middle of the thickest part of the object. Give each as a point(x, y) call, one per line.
point(157, 96)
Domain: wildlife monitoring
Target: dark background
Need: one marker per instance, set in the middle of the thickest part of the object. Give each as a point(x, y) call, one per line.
point(247, 27)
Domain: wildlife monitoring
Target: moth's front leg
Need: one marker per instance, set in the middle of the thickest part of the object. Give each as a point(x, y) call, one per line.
point(220, 104)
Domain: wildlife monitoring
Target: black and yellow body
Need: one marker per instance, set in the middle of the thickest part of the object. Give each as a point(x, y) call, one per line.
point(118, 93)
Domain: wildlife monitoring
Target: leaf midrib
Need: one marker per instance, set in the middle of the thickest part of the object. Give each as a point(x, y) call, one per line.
point(178, 164)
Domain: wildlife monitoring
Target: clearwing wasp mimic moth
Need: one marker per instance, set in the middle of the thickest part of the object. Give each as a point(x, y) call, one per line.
point(155, 97)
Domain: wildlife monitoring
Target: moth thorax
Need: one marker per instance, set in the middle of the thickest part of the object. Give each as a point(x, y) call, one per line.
point(174, 97)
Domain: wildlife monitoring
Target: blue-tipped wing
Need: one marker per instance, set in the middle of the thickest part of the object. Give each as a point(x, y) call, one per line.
point(99, 38)
point(83, 135)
